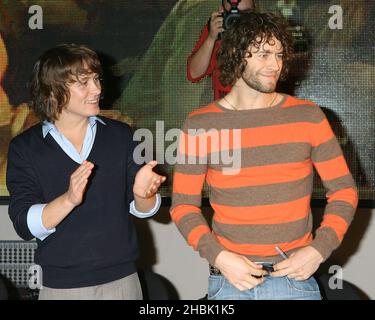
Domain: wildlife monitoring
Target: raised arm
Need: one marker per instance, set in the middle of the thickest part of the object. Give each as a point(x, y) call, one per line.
point(199, 62)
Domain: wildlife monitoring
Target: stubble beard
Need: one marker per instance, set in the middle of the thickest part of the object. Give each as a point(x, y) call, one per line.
point(256, 84)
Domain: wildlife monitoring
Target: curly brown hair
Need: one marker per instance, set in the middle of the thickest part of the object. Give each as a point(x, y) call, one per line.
point(53, 72)
point(254, 29)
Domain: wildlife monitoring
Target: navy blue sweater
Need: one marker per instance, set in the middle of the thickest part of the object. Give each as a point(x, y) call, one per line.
point(96, 243)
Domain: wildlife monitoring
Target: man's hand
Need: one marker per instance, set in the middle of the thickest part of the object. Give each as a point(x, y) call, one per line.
point(239, 270)
point(147, 182)
point(78, 183)
point(216, 23)
point(300, 266)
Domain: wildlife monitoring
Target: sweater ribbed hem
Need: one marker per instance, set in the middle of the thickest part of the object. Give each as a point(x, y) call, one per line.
point(84, 276)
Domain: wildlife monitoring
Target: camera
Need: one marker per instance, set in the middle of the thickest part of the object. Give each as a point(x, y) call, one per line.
point(229, 17)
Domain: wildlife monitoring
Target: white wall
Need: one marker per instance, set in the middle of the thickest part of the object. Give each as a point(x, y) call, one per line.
point(164, 249)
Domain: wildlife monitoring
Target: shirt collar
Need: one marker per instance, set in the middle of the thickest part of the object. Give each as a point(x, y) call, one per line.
point(48, 126)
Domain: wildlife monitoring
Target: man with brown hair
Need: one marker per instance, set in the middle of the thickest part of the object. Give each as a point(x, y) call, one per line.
point(202, 61)
point(262, 222)
point(73, 181)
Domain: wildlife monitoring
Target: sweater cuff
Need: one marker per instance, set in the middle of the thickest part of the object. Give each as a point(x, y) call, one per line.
point(35, 224)
point(143, 215)
point(325, 242)
point(209, 248)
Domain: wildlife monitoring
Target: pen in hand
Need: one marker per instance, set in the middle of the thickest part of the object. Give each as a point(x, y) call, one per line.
point(281, 252)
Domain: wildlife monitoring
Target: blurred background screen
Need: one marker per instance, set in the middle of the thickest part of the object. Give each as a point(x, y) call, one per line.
point(143, 46)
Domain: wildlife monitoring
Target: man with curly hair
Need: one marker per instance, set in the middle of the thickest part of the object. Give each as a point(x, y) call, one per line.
point(260, 244)
point(202, 60)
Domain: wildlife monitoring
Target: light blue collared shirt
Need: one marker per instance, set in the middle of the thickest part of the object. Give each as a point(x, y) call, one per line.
point(34, 215)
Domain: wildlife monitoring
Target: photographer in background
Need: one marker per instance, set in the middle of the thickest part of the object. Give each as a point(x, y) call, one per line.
point(202, 61)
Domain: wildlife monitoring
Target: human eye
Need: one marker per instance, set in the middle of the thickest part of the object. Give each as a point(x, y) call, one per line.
point(82, 82)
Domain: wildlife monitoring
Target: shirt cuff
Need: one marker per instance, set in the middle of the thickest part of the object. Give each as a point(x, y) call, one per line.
point(35, 224)
point(149, 214)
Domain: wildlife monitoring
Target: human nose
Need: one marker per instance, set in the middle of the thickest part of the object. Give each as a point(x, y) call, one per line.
point(275, 63)
point(95, 85)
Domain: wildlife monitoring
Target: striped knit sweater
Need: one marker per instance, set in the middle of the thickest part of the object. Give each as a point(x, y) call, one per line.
point(266, 202)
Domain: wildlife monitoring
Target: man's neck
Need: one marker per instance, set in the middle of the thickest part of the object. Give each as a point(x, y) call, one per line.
point(245, 98)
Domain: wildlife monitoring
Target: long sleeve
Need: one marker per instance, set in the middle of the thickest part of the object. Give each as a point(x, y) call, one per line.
point(35, 223)
point(132, 166)
point(342, 196)
point(23, 188)
point(188, 180)
point(143, 215)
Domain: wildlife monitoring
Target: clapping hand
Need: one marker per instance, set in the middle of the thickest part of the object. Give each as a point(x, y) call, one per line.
point(147, 182)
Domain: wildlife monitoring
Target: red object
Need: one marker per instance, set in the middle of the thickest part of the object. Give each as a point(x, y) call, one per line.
point(212, 70)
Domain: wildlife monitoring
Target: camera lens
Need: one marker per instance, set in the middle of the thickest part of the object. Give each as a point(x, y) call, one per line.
point(229, 19)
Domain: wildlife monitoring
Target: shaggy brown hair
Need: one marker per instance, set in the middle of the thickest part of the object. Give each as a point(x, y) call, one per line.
point(251, 29)
point(53, 72)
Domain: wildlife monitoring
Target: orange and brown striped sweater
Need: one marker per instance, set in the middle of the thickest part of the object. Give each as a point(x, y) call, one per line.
point(266, 202)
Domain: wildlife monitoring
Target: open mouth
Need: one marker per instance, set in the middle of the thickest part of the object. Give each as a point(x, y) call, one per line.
point(93, 101)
